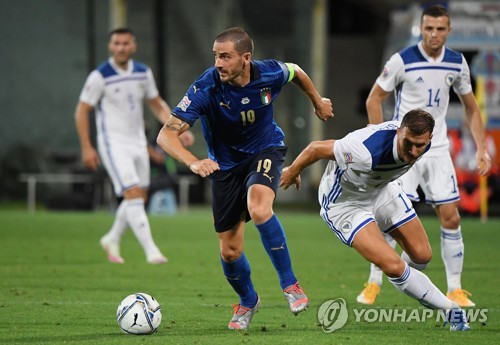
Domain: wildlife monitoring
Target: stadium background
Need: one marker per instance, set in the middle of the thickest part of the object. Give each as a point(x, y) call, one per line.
point(50, 46)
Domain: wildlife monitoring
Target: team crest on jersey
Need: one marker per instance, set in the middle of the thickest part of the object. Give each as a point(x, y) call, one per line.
point(347, 157)
point(184, 103)
point(265, 96)
point(345, 227)
point(384, 73)
point(450, 78)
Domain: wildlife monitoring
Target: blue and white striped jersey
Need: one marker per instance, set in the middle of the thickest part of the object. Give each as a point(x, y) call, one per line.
point(236, 121)
point(365, 161)
point(418, 81)
point(118, 97)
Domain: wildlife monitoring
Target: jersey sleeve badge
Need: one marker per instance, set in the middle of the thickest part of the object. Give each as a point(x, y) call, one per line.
point(265, 96)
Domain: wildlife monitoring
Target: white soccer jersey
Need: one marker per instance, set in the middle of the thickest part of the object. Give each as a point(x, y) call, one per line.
point(419, 81)
point(118, 97)
point(365, 161)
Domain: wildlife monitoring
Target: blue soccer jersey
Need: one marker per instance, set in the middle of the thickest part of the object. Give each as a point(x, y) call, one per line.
point(237, 122)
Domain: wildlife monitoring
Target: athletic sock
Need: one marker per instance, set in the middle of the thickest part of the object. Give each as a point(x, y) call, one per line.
point(412, 263)
point(452, 253)
point(274, 241)
point(417, 285)
point(375, 272)
point(238, 275)
point(138, 221)
point(119, 225)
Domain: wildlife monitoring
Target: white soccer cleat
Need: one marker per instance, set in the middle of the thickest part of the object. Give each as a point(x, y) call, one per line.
point(243, 315)
point(112, 250)
point(157, 260)
point(296, 298)
point(457, 320)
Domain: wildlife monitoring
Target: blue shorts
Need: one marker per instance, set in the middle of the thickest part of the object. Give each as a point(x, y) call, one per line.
point(229, 187)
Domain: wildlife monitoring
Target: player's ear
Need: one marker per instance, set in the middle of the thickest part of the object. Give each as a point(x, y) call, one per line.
point(247, 57)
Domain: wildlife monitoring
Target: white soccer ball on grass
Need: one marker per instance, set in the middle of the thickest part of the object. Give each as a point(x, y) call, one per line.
point(139, 313)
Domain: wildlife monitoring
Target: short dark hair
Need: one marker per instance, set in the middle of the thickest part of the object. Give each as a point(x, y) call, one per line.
point(435, 11)
point(418, 122)
point(121, 31)
point(243, 43)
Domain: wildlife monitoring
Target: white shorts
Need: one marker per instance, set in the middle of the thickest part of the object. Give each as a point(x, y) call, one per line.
point(127, 164)
point(390, 209)
point(436, 176)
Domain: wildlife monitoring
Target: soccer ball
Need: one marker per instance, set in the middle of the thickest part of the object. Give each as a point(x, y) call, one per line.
point(139, 313)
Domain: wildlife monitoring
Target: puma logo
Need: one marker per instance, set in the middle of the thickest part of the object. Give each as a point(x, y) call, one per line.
point(222, 104)
point(269, 177)
point(282, 247)
point(135, 320)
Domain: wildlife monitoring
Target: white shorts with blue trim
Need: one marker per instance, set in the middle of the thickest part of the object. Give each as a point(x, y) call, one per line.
point(436, 176)
point(390, 208)
point(127, 164)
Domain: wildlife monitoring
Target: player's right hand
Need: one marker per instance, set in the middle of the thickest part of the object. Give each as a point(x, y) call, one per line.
point(287, 179)
point(90, 158)
point(204, 167)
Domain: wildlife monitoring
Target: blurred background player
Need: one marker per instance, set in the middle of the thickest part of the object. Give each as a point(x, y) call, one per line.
point(421, 77)
point(463, 153)
point(234, 102)
point(164, 178)
point(117, 89)
point(360, 199)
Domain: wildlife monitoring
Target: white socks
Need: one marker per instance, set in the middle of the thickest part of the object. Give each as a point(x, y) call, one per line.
point(138, 221)
point(417, 285)
point(375, 272)
point(119, 225)
point(452, 253)
point(132, 213)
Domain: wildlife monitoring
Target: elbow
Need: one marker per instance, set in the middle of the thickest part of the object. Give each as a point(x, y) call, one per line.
point(159, 138)
point(313, 150)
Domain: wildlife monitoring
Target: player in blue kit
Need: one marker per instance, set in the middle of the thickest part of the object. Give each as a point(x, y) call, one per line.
point(360, 199)
point(234, 102)
point(421, 76)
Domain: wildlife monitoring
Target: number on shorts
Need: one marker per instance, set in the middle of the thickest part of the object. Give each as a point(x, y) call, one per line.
point(454, 183)
point(264, 164)
point(408, 208)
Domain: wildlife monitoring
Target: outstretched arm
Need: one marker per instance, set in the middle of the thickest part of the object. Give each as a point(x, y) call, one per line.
point(323, 107)
point(315, 151)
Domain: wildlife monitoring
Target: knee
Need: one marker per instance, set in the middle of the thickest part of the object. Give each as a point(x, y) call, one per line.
point(450, 220)
point(259, 213)
point(423, 255)
point(230, 253)
point(418, 261)
point(393, 268)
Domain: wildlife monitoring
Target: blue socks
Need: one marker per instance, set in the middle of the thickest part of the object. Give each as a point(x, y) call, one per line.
point(274, 241)
point(238, 275)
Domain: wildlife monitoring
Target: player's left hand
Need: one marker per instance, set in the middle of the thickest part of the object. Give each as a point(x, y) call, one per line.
point(324, 110)
point(483, 163)
point(287, 179)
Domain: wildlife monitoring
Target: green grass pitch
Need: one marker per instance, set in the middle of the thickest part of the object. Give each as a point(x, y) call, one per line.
point(56, 286)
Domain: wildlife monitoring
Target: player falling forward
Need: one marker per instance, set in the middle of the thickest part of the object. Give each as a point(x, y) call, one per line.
point(360, 198)
point(421, 77)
